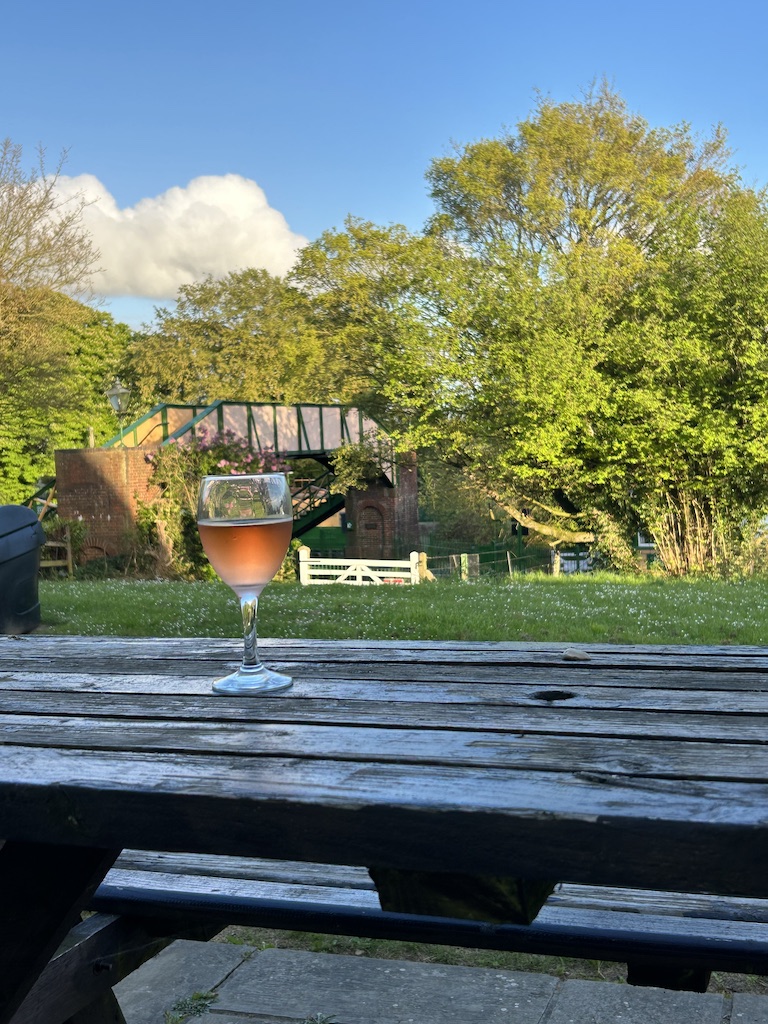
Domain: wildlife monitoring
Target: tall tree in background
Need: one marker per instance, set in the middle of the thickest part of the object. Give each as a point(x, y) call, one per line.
point(368, 287)
point(582, 328)
point(42, 240)
point(57, 358)
point(247, 336)
point(56, 355)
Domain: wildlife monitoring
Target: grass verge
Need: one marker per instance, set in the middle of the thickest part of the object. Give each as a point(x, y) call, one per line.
point(601, 609)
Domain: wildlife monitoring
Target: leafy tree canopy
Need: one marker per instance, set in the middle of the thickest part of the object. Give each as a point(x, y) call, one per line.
point(247, 336)
point(581, 328)
point(56, 355)
point(57, 358)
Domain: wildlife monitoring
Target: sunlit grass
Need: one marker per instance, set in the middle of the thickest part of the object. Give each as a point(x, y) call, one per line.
point(607, 609)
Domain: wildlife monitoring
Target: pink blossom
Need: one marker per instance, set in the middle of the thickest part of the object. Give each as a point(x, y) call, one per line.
point(222, 463)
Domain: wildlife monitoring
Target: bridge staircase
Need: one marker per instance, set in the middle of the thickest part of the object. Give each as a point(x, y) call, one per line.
point(313, 503)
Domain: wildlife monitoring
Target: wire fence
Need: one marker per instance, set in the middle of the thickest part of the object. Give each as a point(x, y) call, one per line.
point(497, 562)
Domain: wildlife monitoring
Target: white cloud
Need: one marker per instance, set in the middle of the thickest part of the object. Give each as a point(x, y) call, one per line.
point(213, 225)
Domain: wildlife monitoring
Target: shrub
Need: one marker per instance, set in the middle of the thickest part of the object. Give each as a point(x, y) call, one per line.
point(169, 523)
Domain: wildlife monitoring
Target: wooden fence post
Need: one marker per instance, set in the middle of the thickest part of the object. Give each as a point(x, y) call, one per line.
point(304, 553)
point(424, 573)
point(415, 574)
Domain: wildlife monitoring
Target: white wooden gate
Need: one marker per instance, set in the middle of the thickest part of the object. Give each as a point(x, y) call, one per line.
point(358, 571)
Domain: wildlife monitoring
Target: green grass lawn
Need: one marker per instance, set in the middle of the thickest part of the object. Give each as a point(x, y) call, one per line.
point(584, 609)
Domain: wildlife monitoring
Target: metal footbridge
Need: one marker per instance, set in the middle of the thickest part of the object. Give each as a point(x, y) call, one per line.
point(290, 431)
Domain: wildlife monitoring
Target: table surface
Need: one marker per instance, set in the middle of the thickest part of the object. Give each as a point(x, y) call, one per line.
point(638, 766)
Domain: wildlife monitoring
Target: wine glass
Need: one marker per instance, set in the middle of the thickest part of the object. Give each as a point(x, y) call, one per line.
point(245, 525)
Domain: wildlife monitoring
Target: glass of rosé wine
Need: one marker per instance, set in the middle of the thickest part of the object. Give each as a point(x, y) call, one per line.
point(245, 525)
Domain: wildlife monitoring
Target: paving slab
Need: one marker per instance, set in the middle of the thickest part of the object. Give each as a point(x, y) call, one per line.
point(598, 1002)
point(281, 986)
point(362, 990)
point(748, 1009)
point(177, 972)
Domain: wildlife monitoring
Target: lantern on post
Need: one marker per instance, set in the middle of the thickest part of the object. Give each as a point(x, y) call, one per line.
point(119, 396)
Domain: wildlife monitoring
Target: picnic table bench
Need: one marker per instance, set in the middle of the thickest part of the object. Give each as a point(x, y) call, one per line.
point(634, 776)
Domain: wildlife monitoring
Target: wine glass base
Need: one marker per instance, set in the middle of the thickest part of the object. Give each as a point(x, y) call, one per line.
point(252, 682)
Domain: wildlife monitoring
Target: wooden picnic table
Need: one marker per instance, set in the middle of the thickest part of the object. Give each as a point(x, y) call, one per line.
point(613, 765)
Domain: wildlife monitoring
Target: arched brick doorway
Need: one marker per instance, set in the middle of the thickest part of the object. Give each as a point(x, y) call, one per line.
point(371, 539)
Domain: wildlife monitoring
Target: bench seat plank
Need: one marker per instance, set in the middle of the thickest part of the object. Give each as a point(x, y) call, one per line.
point(138, 868)
point(638, 926)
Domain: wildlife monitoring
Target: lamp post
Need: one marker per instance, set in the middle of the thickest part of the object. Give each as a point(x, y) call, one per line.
point(119, 396)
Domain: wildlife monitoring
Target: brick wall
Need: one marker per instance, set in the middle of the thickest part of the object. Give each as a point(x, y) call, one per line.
point(101, 486)
point(385, 519)
point(407, 506)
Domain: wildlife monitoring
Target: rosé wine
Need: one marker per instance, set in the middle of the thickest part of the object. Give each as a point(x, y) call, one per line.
point(246, 553)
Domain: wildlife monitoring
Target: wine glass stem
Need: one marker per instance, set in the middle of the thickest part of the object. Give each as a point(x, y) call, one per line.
point(249, 606)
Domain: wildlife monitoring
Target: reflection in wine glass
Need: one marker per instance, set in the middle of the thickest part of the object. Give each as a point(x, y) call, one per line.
point(245, 525)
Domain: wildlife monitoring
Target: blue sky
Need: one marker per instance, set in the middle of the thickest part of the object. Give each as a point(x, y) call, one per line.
point(290, 115)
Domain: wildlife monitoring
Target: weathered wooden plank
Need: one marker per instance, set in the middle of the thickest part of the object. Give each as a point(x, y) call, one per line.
point(196, 677)
point(577, 906)
point(179, 645)
point(143, 864)
point(590, 827)
point(542, 716)
point(703, 906)
point(636, 758)
point(191, 886)
point(96, 955)
point(576, 693)
point(675, 930)
point(198, 651)
point(141, 869)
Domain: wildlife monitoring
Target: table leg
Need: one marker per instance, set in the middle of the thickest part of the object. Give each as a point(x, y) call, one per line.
point(104, 1010)
point(43, 887)
point(663, 975)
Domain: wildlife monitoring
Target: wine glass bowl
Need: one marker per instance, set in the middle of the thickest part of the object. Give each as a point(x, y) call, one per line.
point(245, 525)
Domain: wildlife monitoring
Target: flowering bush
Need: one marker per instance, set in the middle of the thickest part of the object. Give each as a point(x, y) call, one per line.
point(169, 523)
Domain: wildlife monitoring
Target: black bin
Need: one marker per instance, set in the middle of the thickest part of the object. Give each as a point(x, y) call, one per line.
point(21, 537)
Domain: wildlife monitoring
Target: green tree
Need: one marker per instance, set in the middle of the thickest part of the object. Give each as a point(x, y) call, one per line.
point(581, 329)
point(57, 358)
point(369, 300)
point(42, 240)
point(247, 336)
point(54, 352)
point(575, 173)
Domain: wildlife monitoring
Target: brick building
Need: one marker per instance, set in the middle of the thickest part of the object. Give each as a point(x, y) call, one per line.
point(103, 488)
